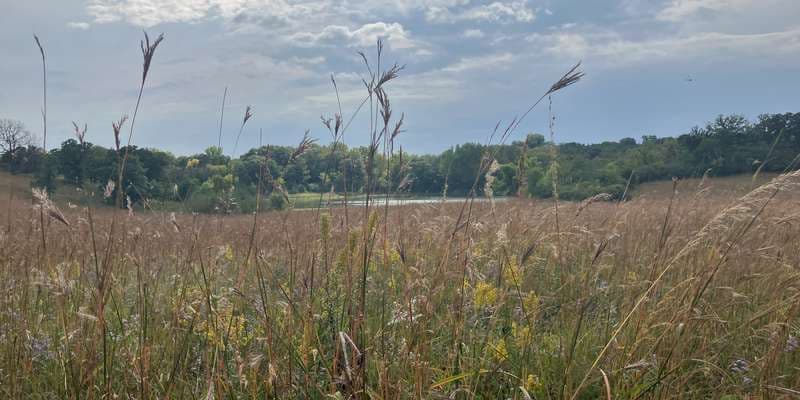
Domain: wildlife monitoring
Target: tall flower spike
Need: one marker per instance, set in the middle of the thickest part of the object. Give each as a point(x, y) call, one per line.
point(248, 113)
point(80, 134)
point(117, 126)
point(389, 74)
point(386, 107)
point(44, 90)
point(572, 76)
point(304, 145)
point(148, 50)
point(398, 128)
point(43, 201)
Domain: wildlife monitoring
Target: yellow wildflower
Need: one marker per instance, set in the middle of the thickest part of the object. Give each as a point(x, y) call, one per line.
point(394, 257)
point(512, 274)
point(228, 325)
point(523, 335)
point(532, 382)
point(227, 254)
point(499, 350)
point(485, 295)
point(531, 303)
point(550, 343)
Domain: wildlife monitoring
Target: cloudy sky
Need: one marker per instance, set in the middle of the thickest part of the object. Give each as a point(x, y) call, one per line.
point(470, 64)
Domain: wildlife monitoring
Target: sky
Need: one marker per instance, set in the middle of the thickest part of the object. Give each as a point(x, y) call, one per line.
point(656, 67)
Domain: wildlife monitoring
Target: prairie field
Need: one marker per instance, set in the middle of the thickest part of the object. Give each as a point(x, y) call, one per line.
point(499, 268)
point(691, 296)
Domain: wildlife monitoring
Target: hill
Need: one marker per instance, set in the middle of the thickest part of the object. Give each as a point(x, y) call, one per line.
point(728, 187)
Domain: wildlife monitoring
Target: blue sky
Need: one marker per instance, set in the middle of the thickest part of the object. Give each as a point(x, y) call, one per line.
point(469, 65)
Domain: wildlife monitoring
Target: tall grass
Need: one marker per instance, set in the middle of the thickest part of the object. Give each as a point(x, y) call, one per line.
point(466, 301)
point(205, 310)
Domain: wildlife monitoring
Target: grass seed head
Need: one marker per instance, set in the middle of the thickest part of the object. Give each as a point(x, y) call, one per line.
point(571, 77)
point(148, 50)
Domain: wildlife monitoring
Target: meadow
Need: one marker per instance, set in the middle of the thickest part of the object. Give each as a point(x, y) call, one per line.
point(683, 290)
point(676, 297)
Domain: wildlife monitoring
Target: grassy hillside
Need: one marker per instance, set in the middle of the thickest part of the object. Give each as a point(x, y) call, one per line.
point(19, 187)
point(724, 187)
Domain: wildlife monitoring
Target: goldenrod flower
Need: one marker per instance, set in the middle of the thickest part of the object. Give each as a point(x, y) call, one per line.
point(485, 295)
point(512, 274)
point(499, 350)
point(531, 303)
point(523, 335)
point(532, 382)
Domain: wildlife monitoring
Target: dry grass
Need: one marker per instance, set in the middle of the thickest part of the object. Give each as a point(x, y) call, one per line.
point(229, 306)
point(728, 187)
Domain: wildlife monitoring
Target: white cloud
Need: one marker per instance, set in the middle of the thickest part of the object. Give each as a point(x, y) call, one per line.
point(78, 25)
point(366, 35)
point(491, 61)
point(638, 8)
point(677, 10)
point(308, 60)
point(147, 13)
point(304, 23)
point(302, 13)
point(612, 48)
point(473, 34)
point(568, 44)
point(498, 11)
point(434, 86)
point(730, 16)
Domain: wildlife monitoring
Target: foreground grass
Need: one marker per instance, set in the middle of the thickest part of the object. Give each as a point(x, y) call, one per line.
point(692, 296)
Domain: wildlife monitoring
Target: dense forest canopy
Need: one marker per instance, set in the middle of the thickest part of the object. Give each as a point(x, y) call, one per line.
point(215, 181)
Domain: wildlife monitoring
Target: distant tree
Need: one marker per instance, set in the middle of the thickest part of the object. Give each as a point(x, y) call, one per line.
point(155, 162)
point(26, 160)
point(46, 172)
point(100, 165)
point(425, 177)
point(506, 182)
point(353, 175)
point(277, 201)
point(297, 175)
point(534, 140)
point(71, 157)
point(213, 155)
point(13, 137)
point(463, 164)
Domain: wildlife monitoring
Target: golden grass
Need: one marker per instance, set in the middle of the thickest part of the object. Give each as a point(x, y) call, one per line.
point(498, 305)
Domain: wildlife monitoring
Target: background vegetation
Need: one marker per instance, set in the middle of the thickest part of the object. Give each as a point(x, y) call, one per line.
point(727, 146)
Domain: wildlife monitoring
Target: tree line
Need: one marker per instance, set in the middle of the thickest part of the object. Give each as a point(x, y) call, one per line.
point(212, 181)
